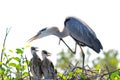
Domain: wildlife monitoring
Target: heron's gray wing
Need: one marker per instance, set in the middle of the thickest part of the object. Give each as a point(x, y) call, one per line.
point(52, 67)
point(93, 33)
point(83, 33)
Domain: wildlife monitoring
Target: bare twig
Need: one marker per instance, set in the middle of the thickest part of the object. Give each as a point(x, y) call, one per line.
point(107, 70)
point(109, 73)
point(7, 32)
point(28, 68)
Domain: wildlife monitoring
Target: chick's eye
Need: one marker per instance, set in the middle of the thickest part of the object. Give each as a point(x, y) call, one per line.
point(45, 52)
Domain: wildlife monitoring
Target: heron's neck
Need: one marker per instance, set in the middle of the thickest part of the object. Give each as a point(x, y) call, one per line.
point(55, 31)
point(44, 57)
point(34, 55)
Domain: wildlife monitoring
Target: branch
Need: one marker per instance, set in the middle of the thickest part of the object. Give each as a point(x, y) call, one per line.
point(7, 32)
point(28, 68)
point(109, 72)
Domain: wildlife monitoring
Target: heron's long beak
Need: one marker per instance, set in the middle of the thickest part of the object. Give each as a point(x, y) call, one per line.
point(32, 39)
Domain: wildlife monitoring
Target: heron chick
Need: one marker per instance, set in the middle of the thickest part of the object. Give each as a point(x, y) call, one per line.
point(47, 66)
point(35, 64)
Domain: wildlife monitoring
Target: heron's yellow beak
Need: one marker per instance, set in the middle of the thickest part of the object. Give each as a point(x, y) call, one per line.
point(32, 39)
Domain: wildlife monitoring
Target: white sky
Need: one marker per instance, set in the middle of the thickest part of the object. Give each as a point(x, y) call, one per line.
point(27, 17)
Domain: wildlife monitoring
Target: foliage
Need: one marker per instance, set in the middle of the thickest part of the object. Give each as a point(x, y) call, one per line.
point(14, 65)
point(65, 59)
point(103, 68)
point(109, 59)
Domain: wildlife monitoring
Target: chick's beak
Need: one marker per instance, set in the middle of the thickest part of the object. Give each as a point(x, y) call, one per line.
point(32, 39)
point(36, 50)
point(48, 54)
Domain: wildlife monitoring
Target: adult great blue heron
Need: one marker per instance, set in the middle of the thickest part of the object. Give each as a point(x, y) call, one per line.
point(78, 30)
point(35, 64)
point(47, 66)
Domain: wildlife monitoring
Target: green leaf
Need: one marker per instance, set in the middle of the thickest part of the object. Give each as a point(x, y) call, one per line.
point(17, 59)
point(3, 49)
point(9, 59)
point(83, 77)
point(97, 67)
point(62, 76)
point(0, 63)
point(115, 75)
point(12, 64)
point(23, 67)
point(70, 73)
point(78, 71)
point(25, 74)
point(11, 51)
point(18, 66)
point(27, 62)
point(19, 51)
point(2, 70)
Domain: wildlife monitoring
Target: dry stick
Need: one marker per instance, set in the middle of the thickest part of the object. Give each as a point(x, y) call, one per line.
point(7, 32)
point(109, 72)
point(107, 69)
point(28, 68)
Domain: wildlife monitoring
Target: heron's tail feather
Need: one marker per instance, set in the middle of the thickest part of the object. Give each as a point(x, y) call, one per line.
point(97, 46)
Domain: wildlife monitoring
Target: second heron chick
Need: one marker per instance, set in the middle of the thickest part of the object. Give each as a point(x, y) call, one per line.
point(47, 66)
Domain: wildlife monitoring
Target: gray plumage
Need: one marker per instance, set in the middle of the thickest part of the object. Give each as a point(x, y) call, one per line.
point(77, 29)
point(82, 33)
point(47, 67)
point(35, 65)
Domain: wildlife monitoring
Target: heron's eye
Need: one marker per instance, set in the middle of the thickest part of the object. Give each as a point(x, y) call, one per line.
point(43, 29)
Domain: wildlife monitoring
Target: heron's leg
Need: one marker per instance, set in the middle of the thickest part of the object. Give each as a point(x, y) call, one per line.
point(83, 55)
point(68, 46)
point(59, 41)
point(75, 47)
